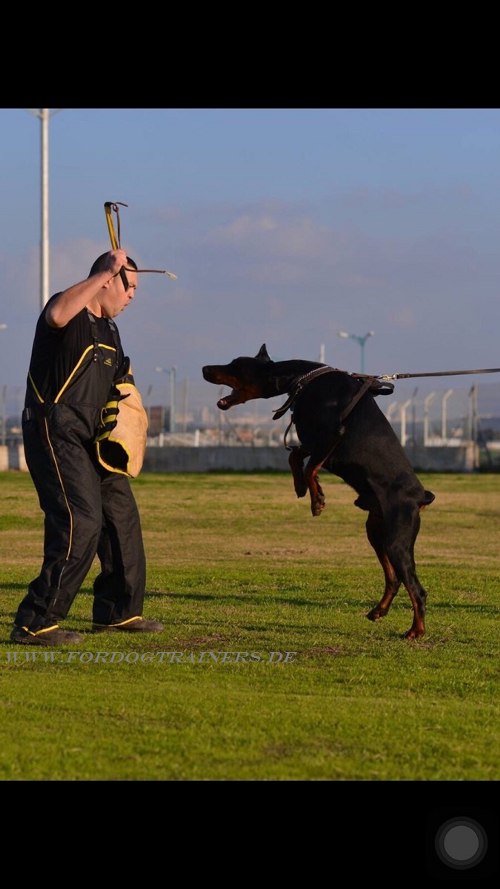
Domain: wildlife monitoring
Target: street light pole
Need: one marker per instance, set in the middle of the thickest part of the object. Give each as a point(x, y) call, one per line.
point(171, 371)
point(44, 114)
point(44, 201)
point(359, 339)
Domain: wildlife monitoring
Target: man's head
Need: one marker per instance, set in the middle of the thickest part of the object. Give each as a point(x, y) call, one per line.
point(120, 289)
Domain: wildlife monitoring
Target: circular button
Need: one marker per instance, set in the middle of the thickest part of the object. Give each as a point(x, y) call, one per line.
point(461, 843)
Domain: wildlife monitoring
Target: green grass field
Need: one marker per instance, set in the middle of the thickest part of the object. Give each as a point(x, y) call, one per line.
point(236, 564)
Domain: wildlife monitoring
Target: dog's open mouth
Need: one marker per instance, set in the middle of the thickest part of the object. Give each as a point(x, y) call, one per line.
point(242, 391)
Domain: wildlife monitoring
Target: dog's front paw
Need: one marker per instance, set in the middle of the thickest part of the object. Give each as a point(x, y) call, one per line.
point(414, 633)
point(300, 488)
point(296, 462)
point(317, 506)
point(376, 613)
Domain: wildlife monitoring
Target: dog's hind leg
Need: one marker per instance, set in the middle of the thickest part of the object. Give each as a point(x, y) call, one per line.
point(317, 497)
point(296, 462)
point(400, 552)
point(375, 534)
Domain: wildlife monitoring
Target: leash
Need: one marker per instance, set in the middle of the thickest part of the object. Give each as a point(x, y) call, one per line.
point(112, 207)
point(439, 373)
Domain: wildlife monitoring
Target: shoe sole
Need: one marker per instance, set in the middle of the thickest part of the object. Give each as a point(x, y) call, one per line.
point(45, 642)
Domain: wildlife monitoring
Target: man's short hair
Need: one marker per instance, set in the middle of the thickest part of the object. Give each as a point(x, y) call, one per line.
point(101, 262)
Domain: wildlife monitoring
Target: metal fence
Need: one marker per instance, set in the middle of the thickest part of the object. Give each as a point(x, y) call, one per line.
point(443, 417)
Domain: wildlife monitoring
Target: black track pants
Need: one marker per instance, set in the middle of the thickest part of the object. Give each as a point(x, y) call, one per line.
point(88, 511)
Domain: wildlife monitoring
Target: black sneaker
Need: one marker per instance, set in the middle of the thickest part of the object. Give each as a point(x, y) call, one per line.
point(46, 636)
point(132, 625)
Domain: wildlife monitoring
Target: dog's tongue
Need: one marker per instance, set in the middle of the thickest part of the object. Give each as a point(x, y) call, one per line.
point(228, 400)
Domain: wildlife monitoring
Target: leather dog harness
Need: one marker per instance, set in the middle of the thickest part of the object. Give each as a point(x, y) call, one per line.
point(301, 382)
point(297, 386)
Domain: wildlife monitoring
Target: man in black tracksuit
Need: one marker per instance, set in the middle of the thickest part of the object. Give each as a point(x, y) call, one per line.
point(76, 358)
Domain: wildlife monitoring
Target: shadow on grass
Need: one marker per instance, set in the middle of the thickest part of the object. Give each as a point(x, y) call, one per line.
point(463, 606)
point(266, 599)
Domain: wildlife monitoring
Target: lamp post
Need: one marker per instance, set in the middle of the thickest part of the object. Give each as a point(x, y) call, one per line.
point(359, 339)
point(43, 115)
point(171, 372)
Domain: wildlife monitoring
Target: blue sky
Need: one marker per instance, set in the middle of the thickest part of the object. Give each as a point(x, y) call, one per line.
point(283, 226)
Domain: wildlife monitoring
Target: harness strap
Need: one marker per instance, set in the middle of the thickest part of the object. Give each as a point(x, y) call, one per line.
point(345, 413)
point(298, 385)
point(114, 334)
point(287, 430)
point(357, 397)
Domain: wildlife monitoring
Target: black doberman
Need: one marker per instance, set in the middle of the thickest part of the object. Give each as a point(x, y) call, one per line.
point(342, 429)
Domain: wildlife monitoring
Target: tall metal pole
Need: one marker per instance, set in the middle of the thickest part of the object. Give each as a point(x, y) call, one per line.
point(444, 432)
point(171, 372)
point(44, 203)
point(473, 414)
point(185, 403)
point(427, 400)
point(43, 115)
point(474, 430)
point(403, 437)
point(172, 399)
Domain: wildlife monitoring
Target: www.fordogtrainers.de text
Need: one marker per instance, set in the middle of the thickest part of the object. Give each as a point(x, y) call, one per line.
point(147, 657)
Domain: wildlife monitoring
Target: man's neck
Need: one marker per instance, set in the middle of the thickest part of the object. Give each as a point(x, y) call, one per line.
point(95, 307)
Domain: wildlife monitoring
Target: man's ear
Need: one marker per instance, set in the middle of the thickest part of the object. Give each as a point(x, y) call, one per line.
point(109, 282)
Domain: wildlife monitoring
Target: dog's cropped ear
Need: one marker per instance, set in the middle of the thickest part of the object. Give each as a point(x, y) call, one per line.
point(262, 353)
